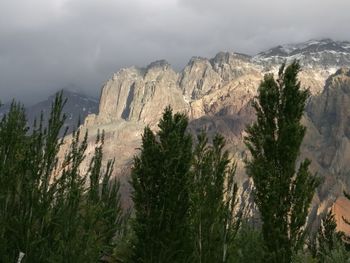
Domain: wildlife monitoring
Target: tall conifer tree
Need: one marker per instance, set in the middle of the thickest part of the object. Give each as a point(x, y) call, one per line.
point(283, 187)
point(160, 178)
point(49, 209)
point(327, 236)
point(213, 196)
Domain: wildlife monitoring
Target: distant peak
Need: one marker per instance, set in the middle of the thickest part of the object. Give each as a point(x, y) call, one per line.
point(158, 64)
point(310, 46)
point(224, 57)
point(197, 58)
point(69, 93)
point(325, 53)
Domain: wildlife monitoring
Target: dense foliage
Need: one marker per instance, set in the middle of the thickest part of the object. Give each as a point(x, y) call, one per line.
point(160, 179)
point(184, 199)
point(49, 209)
point(213, 194)
point(283, 193)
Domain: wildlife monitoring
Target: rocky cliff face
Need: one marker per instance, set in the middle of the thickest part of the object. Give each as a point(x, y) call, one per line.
point(202, 76)
point(216, 94)
point(330, 112)
point(137, 94)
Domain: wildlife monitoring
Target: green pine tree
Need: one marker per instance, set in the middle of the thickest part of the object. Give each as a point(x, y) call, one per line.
point(327, 236)
point(283, 188)
point(160, 178)
point(248, 245)
point(49, 209)
point(213, 193)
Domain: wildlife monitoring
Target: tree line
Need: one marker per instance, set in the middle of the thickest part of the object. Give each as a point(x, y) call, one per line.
point(186, 204)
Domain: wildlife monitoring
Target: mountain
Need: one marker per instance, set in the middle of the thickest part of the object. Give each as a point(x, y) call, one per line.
point(216, 94)
point(314, 53)
point(78, 107)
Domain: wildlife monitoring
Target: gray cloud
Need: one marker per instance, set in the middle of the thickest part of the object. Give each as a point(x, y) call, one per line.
point(48, 45)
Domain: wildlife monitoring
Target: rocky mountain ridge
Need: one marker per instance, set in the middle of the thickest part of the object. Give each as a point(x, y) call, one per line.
point(131, 93)
point(324, 53)
point(216, 94)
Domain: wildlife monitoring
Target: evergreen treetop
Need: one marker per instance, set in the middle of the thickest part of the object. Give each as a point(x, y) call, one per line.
point(283, 188)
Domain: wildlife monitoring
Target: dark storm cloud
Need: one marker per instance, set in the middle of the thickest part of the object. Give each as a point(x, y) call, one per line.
point(48, 45)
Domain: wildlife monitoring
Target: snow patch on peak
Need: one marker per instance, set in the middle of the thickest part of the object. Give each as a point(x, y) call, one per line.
point(324, 53)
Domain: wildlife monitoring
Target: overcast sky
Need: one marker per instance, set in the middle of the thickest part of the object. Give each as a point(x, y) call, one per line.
point(46, 45)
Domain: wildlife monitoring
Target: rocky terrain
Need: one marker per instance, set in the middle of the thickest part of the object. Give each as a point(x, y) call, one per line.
point(216, 94)
point(78, 107)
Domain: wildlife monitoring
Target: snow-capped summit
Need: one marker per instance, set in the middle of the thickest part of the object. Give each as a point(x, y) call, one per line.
point(325, 53)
